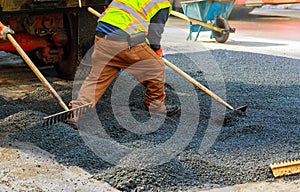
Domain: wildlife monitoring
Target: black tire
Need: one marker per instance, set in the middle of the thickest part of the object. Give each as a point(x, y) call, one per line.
point(221, 37)
point(66, 69)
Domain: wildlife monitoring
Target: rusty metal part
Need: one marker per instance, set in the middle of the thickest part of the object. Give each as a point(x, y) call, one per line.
point(42, 25)
point(37, 72)
point(26, 41)
point(45, 34)
point(56, 117)
point(285, 168)
point(45, 50)
point(50, 55)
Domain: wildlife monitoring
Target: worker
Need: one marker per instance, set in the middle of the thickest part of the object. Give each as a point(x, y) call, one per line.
point(4, 30)
point(127, 37)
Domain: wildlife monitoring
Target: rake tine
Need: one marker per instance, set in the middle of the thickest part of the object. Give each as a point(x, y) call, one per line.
point(80, 111)
point(242, 108)
point(68, 115)
point(240, 111)
point(55, 119)
point(62, 116)
point(51, 121)
point(65, 116)
point(74, 113)
point(45, 123)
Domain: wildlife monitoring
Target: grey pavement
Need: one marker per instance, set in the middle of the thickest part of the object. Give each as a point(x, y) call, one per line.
point(174, 41)
point(285, 10)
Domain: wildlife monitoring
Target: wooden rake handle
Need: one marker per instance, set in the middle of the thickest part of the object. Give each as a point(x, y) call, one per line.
point(94, 12)
point(37, 72)
point(197, 84)
point(184, 17)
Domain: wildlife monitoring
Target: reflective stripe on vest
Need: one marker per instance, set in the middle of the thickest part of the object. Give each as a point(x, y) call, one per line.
point(150, 5)
point(139, 17)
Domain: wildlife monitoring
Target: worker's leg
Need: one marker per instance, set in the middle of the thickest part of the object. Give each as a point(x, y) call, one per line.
point(102, 73)
point(149, 69)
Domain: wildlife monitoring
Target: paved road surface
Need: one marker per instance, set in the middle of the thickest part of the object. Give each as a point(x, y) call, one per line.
point(261, 36)
point(266, 35)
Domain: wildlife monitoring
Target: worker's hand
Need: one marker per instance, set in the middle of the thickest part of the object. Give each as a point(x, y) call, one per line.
point(4, 30)
point(159, 52)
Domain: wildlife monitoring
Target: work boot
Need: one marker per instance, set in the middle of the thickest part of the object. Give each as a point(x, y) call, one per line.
point(76, 113)
point(72, 122)
point(169, 110)
point(172, 110)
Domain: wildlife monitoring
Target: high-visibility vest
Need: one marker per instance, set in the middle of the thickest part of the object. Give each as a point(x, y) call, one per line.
point(132, 16)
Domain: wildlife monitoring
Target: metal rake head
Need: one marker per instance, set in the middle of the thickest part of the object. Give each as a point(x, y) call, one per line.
point(64, 115)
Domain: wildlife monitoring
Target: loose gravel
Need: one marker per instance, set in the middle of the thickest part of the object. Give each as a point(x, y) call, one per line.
point(241, 153)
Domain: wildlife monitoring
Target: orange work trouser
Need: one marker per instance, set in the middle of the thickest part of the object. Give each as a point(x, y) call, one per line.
point(109, 57)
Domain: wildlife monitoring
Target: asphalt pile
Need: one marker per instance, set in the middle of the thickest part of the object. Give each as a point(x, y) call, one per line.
point(244, 148)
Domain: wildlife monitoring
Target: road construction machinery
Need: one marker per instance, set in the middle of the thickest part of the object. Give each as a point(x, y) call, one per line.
point(51, 32)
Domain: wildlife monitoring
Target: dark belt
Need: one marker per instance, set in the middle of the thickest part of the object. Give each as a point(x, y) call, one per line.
point(105, 36)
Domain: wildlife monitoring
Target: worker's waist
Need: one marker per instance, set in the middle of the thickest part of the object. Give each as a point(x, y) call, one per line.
point(109, 37)
point(131, 39)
